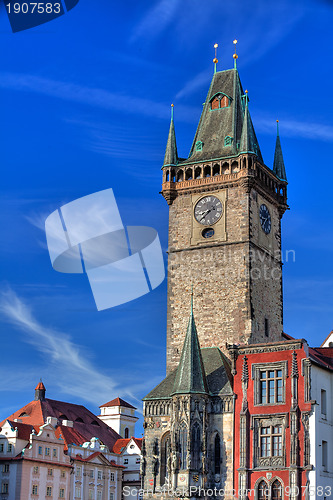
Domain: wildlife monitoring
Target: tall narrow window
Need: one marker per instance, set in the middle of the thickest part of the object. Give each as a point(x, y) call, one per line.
point(276, 490)
point(266, 327)
point(165, 453)
point(323, 404)
point(183, 445)
point(217, 454)
point(262, 491)
point(196, 441)
point(324, 454)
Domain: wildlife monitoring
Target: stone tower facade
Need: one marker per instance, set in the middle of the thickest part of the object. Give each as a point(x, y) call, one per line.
point(225, 211)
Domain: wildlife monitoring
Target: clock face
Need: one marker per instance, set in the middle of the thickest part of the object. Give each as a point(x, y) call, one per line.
point(208, 210)
point(265, 219)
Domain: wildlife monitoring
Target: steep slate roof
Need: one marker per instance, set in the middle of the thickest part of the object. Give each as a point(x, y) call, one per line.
point(278, 165)
point(171, 155)
point(190, 374)
point(218, 376)
point(118, 402)
point(37, 411)
point(215, 125)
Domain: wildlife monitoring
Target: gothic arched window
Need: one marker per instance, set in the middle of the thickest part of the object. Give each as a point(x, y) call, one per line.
point(217, 454)
point(165, 454)
point(196, 441)
point(262, 491)
point(183, 445)
point(276, 490)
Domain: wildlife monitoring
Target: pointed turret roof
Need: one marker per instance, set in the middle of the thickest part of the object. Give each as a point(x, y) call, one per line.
point(190, 374)
point(278, 165)
point(171, 155)
point(249, 141)
point(220, 129)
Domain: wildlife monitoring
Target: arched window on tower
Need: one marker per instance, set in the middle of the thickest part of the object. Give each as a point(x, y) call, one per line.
point(126, 433)
point(217, 455)
point(262, 491)
point(165, 454)
point(196, 441)
point(219, 101)
point(183, 446)
point(276, 490)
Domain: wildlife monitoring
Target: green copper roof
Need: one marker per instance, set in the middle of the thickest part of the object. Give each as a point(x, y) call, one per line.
point(249, 141)
point(278, 165)
point(217, 371)
point(190, 375)
point(171, 155)
point(216, 125)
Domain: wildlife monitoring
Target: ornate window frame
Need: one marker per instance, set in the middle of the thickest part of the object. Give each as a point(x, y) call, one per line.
point(259, 421)
point(275, 365)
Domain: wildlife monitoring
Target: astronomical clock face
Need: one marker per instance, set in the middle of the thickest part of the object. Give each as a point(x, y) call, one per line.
point(208, 210)
point(265, 219)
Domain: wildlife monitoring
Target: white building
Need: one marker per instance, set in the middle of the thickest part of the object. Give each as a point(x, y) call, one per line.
point(321, 420)
point(120, 416)
point(130, 452)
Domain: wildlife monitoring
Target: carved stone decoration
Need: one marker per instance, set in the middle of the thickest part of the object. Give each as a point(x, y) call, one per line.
point(245, 381)
point(306, 426)
point(293, 438)
point(306, 372)
point(294, 366)
point(174, 461)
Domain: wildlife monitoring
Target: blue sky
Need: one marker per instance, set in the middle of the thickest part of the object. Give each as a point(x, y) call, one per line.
point(85, 105)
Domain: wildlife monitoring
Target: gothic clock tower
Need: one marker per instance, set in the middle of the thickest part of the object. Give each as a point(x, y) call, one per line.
point(225, 211)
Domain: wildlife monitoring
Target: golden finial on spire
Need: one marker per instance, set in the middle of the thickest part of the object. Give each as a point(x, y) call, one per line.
point(235, 56)
point(215, 60)
point(172, 106)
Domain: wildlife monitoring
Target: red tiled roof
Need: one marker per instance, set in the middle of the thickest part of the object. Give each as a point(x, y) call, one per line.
point(40, 387)
point(84, 421)
point(288, 337)
point(122, 443)
point(322, 356)
point(118, 402)
point(69, 435)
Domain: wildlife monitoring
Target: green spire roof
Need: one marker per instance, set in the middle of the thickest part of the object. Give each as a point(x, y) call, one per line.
point(278, 165)
point(190, 374)
point(220, 127)
point(171, 155)
point(249, 142)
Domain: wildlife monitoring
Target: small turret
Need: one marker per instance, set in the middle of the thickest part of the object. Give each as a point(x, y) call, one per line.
point(249, 142)
point(278, 165)
point(171, 155)
point(40, 391)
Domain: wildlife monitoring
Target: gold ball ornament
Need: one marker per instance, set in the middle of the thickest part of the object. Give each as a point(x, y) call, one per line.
point(215, 60)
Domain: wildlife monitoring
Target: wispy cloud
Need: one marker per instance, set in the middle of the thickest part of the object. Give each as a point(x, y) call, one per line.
point(90, 96)
point(294, 128)
point(157, 19)
point(200, 80)
point(66, 360)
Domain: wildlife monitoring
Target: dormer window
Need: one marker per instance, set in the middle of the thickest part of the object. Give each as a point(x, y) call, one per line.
point(219, 101)
point(198, 146)
point(228, 140)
